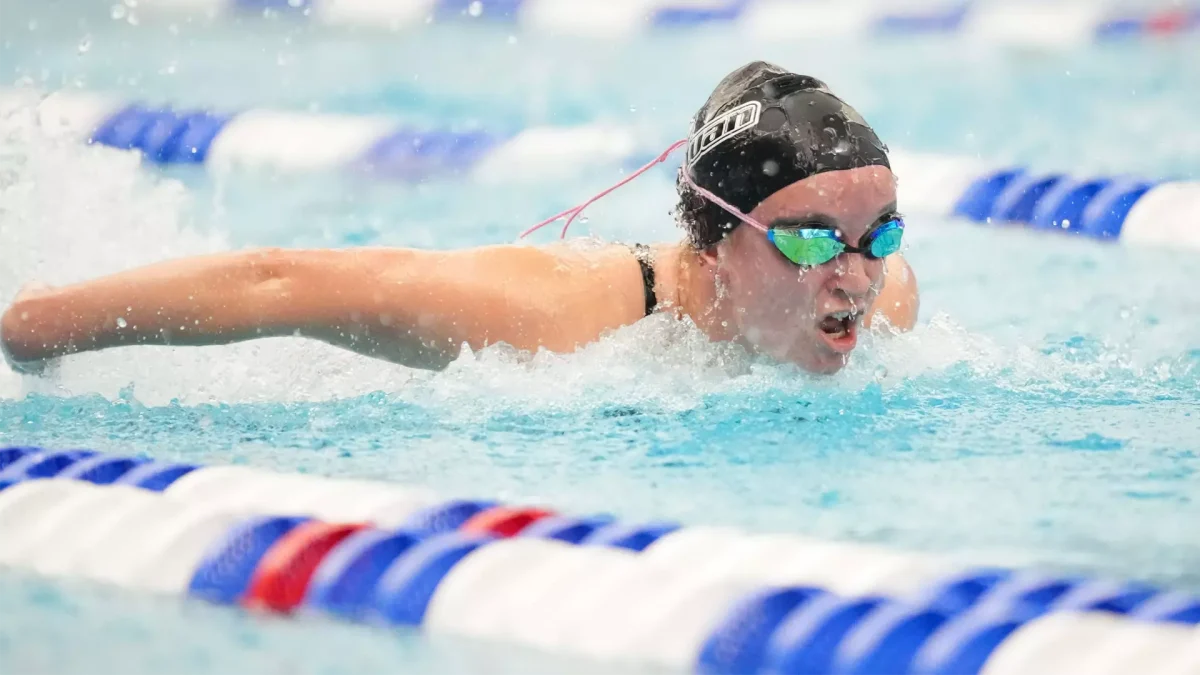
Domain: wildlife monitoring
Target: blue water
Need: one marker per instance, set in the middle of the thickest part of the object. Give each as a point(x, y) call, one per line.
point(1044, 411)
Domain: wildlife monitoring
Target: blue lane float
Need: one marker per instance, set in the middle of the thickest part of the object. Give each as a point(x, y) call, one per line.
point(956, 623)
point(345, 582)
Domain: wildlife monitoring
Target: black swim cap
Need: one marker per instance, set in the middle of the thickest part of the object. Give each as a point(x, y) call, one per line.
point(762, 129)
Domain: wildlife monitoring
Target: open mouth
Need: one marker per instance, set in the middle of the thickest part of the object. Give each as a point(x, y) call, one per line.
point(838, 324)
point(840, 329)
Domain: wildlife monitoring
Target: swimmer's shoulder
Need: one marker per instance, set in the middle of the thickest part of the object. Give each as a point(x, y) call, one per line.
point(899, 300)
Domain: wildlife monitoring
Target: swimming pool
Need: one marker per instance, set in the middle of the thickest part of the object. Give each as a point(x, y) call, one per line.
point(1044, 412)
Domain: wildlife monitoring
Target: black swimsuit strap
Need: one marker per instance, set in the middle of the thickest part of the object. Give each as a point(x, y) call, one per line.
point(645, 258)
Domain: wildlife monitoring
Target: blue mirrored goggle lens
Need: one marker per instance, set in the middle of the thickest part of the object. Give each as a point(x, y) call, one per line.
point(887, 239)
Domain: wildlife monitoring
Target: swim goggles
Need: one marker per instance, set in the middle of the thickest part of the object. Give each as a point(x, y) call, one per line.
point(807, 246)
point(811, 246)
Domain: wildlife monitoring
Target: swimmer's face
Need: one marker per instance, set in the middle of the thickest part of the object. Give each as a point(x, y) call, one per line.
point(796, 314)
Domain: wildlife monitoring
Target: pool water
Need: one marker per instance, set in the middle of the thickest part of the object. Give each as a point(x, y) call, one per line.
point(1043, 412)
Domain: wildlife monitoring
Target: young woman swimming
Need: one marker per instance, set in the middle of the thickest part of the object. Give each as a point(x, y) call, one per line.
point(786, 195)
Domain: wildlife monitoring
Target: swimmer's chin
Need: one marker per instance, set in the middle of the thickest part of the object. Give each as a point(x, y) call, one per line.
point(826, 365)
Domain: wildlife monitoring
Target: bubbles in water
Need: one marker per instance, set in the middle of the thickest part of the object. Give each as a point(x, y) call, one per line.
point(121, 322)
point(85, 44)
point(118, 12)
point(475, 8)
point(770, 167)
point(70, 212)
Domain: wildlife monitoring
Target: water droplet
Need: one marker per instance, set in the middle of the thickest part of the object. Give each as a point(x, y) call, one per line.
point(121, 322)
point(132, 19)
point(295, 4)
point(770, 167)
point(118, 12)
point(85, 44)
point(880, 373)
point(475, 8)
point(632, 108)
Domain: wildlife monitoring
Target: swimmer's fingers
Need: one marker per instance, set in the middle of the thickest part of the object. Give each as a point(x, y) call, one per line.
point(35, 368)
point(38, 367)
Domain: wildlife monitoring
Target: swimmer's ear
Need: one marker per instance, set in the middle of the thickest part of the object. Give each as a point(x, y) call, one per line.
point(708, 256)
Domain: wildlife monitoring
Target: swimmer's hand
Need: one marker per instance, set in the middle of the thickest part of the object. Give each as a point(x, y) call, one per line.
point(29, 367)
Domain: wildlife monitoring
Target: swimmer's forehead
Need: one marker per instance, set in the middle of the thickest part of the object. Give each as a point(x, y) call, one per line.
point(851, 200)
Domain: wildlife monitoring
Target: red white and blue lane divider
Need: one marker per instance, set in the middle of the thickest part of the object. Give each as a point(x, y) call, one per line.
point(703, 599)
point(1140, 211)
point(1051, 24)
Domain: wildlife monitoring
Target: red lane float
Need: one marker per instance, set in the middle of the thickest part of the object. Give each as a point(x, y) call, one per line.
point(504, 521)
point(281, 578)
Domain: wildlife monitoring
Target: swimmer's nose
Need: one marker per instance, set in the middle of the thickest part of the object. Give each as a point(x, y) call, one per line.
point(851, 275)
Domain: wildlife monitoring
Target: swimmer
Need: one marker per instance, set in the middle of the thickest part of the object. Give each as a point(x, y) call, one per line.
point(792, 238)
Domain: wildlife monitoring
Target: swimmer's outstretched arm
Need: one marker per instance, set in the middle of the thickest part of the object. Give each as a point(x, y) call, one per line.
point(412, 307)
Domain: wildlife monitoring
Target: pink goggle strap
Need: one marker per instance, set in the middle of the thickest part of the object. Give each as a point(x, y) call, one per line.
point(575, 211)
